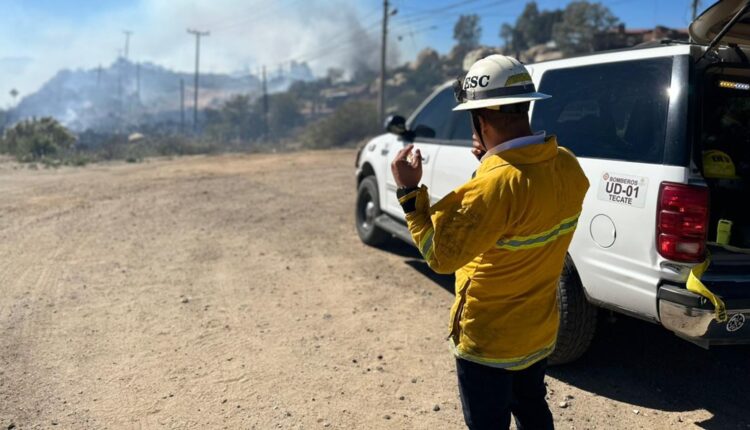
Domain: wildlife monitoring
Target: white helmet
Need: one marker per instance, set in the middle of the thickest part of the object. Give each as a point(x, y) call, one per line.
point(496, 81)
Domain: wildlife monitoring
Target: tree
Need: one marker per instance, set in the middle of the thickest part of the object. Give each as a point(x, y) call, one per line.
point(531, 28)
point(284, 114)
point(239, 118)
point(235, 120)
point(526, 29)
point(467, 31)
point(3, 119)
point(581, 22)
point(349, 124)
point(35, 139)
point(544, 26)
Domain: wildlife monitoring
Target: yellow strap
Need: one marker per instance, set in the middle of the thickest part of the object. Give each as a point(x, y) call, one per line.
point(695, 285)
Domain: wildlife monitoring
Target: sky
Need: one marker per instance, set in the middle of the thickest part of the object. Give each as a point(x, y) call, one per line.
point(40, 37)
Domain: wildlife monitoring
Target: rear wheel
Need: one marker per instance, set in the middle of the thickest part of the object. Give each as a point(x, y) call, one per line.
point(577, 317)
point(367, 209)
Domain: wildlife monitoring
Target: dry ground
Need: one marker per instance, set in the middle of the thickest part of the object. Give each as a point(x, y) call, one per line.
point(232, 292)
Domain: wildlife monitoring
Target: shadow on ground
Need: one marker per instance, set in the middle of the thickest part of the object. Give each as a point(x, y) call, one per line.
point(415, 261)
point(643, 364)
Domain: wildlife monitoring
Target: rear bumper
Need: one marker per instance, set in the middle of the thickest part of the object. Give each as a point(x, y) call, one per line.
point(691, 316)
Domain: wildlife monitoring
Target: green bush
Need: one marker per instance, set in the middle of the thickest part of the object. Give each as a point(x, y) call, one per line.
point(37, 139)
point(349, 124)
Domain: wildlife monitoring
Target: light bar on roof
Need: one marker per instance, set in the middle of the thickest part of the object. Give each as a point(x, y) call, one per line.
point(734, 85)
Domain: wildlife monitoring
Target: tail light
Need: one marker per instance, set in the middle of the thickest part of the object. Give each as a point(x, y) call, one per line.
point(682, 222)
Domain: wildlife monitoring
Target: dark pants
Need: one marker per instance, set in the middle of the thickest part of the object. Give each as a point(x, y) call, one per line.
point(489, 395)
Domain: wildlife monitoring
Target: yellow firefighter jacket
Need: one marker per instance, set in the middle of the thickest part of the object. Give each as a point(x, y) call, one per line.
point(505, 234)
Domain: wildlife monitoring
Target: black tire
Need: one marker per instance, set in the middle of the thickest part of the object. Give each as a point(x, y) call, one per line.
point(578, 317)
point(367, 209)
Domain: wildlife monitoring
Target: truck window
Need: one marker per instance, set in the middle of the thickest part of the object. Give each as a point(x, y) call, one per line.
point(435, 116)
point(461, 130)
point(614, 111)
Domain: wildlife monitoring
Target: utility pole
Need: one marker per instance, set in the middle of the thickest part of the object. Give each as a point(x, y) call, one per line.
point(119, 78)
point(381, 95)
point(182, 105)
point(198, 35)
point(138, 82)
point(127, 42)
point(696, 4)
point(266, 130)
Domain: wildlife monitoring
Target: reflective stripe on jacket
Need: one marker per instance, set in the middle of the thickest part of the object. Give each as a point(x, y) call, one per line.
point(505, 234)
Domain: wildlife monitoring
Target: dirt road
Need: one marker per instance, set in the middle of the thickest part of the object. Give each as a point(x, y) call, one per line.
point(232, 292)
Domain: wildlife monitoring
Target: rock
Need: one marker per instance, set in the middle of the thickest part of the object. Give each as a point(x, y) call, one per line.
point(636, 411)
point(11, 426)
point(563, 405)
point(414, 380)
point(380, 357)
point(436, 408)
point(569, 397)
point(185, 300)
point(223, 401)
point(387, 417)
point(543, 52)
point(401, 397)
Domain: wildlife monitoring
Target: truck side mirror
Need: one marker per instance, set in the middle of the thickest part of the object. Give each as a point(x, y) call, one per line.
point(424, 131)
point(396, 124)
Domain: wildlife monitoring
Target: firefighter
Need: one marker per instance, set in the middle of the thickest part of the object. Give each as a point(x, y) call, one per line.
point(505, 233)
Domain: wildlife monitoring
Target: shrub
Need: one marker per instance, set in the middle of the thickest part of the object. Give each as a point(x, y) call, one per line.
point(37, 139)
point(349, 124)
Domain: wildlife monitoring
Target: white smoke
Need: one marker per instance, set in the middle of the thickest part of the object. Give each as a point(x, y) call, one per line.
point(244, 36)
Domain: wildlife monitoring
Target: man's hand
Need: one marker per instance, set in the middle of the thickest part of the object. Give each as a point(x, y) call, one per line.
point(407, 167)
point(477, 148)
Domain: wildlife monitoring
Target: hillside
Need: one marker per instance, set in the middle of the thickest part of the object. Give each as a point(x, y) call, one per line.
point(127, 93)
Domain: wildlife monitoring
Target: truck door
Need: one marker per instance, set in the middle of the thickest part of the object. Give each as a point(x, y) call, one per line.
point(455, 163)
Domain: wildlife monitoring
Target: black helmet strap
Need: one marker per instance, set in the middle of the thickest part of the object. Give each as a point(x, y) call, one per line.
point(476, 124)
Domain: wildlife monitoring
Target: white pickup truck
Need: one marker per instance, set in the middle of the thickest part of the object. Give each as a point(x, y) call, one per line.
point(641, 122)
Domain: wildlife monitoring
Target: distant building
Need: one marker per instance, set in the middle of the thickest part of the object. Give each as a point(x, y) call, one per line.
point(336, 96)
point(621, 37)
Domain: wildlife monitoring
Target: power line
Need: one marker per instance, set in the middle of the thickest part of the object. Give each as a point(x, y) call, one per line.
point(427, 16)
point(231, 25)
point(252, 12)
point(447, 8)
point(332, 48)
